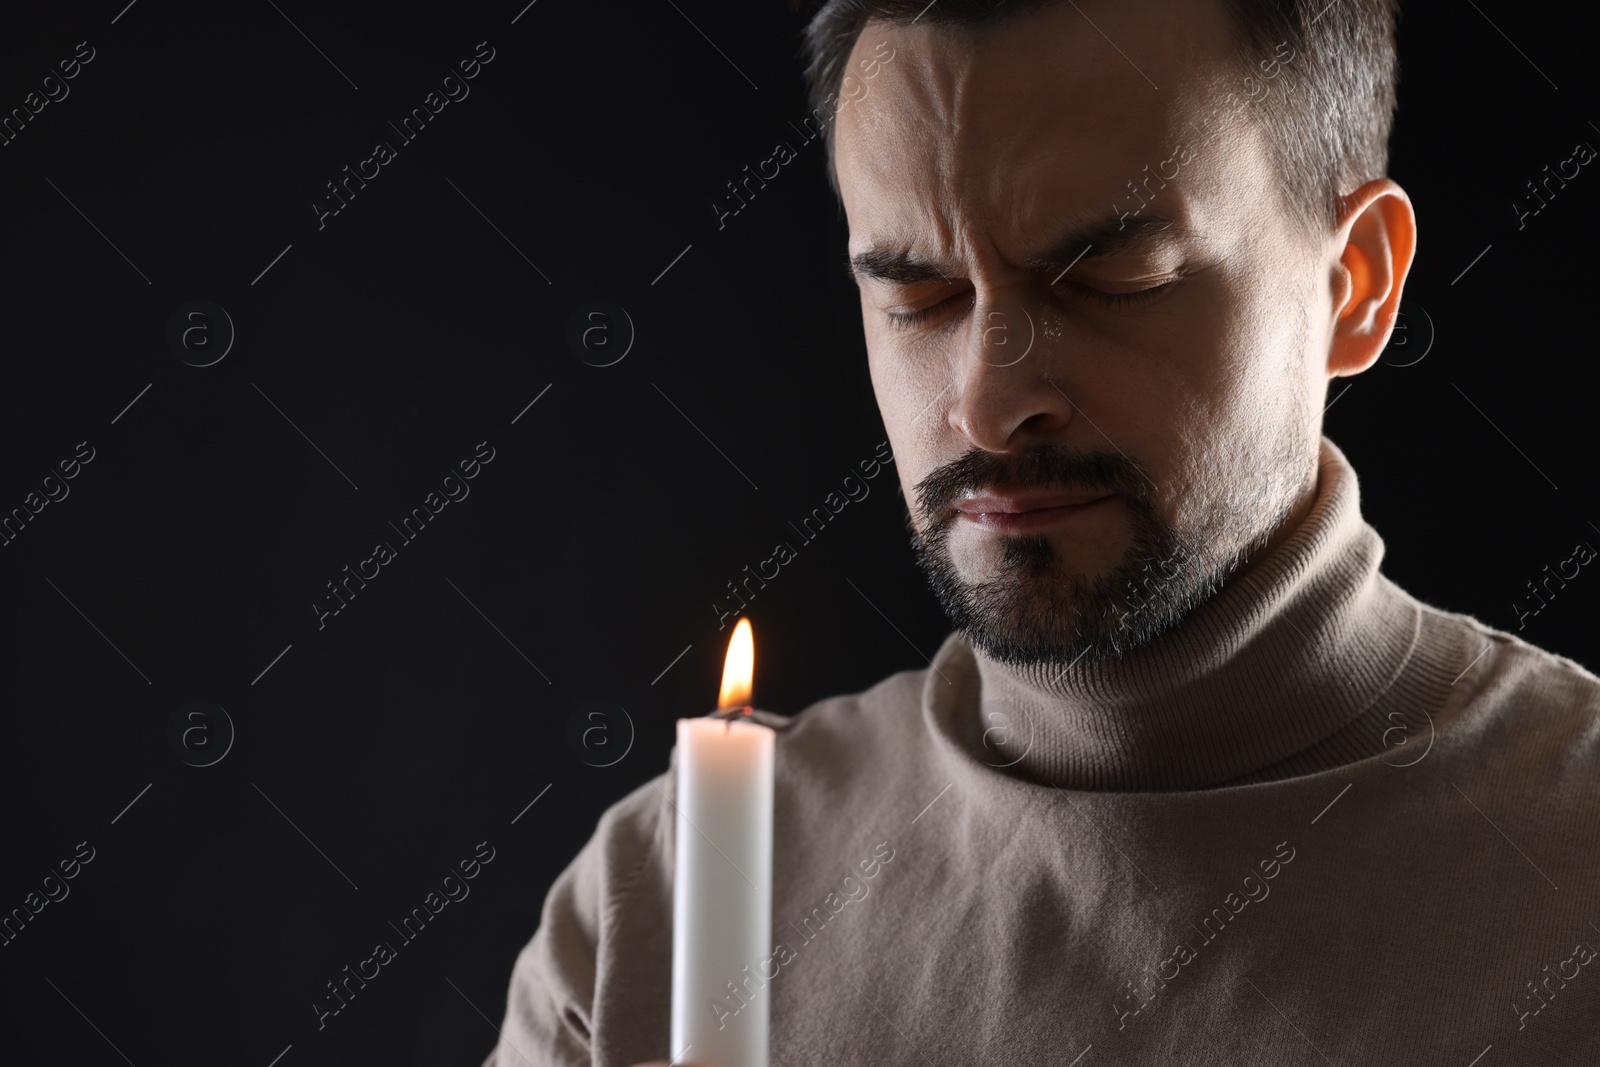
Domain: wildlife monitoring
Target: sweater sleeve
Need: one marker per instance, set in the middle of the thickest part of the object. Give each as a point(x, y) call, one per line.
point(559, 981)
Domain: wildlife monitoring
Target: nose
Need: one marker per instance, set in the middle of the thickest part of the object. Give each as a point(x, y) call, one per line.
point(1004, 394)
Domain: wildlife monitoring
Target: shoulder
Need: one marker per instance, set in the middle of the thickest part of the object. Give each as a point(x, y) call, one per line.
point(1507, 671)
point(603, 946)
point(840, 729)
point(825, 739)
point(1522, 715)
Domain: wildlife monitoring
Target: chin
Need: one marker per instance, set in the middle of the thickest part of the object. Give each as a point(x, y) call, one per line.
point(1050, 557)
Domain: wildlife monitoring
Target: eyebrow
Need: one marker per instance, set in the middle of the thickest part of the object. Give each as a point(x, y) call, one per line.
point(1107, 237)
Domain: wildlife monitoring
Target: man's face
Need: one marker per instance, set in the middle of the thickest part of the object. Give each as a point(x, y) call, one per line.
point(1095, 419)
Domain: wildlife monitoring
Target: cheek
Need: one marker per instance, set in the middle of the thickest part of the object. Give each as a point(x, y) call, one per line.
point(1247, 396)
point(1179, 393)
point(1238, 352)
point(902, 385)
point(1265, 350)
point(908, 400)
point(908, 493)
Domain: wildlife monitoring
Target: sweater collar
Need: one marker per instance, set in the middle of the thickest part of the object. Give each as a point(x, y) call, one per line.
point(1283, 656)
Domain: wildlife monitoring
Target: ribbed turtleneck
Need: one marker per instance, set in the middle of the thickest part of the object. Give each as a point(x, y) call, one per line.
point(1289, 653)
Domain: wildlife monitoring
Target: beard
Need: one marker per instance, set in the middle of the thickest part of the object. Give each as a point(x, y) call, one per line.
point(1036, 609)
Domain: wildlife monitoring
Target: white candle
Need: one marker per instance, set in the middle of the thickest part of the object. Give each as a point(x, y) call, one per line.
point(722, 881)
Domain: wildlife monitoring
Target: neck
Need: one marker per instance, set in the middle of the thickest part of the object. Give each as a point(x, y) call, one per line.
point(1287, 653)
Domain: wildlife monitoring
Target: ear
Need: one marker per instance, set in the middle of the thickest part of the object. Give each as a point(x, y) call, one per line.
point(1374, 240)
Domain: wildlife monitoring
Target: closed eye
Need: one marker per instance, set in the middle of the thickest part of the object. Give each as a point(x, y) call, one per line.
point(903, 319)
point(906, 319)
point(1120, 300)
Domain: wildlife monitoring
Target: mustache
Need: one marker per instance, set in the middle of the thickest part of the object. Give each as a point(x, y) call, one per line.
point(1043, 466)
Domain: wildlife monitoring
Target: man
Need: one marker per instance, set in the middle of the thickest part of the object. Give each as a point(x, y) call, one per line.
point(1192, 781)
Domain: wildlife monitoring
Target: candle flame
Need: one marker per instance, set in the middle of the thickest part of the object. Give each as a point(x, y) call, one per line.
point(738, 668)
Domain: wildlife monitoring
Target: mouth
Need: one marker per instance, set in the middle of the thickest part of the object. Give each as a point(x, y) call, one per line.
point(1030, 512)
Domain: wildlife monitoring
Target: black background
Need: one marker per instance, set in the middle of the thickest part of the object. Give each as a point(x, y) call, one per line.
point(379, 350)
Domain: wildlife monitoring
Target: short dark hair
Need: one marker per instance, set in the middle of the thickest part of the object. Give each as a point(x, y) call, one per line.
point(1328, 134)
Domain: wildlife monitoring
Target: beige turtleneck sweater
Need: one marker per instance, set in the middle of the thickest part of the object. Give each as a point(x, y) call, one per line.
point(1319, 822)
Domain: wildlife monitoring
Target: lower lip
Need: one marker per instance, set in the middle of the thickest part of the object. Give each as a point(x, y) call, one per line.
point(1039, 519)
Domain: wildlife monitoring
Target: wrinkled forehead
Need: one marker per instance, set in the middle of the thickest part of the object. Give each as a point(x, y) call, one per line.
point(1066, 108)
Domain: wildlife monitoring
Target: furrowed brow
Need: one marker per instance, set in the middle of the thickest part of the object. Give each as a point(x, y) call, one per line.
point(898, 267)
point(1095, 241)
point(1108, 238)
